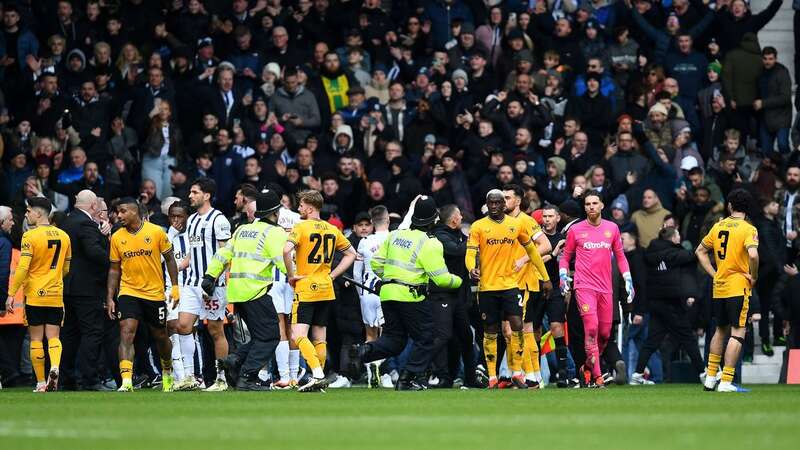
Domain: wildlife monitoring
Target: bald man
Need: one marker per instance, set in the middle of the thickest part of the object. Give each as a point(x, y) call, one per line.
point(84, 287)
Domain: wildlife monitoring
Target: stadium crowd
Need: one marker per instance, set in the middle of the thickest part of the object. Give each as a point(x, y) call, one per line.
point(664, 108)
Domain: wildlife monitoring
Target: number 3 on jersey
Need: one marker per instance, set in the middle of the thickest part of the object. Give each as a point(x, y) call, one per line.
point(724, 235)
point(326, 243)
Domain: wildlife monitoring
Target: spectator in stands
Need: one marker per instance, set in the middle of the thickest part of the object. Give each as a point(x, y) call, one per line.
point(774, 102)
point(789, 209)
point(733, 22)
point(649, 219)
point(295, 107)
point(623, 161)
point(15, 173)
point(163, 147)
point(740, 72)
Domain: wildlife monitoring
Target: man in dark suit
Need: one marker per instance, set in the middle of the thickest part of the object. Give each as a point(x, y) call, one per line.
point(224, 100)
point(84, 289)
point(144, 100)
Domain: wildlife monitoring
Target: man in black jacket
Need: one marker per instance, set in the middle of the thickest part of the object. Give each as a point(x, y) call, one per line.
point(671, 289)
point(82, 333)
point(453, 336)
point(771, 252)
point(555, 304)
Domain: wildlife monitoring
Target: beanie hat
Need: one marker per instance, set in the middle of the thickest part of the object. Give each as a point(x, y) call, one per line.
point(559, 162)
point(621, 203)
point(460, 73)
point(658, 108)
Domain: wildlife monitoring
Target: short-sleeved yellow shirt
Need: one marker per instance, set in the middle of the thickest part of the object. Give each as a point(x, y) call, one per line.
point(497, 244)
point(729, 240)
point(139, 255)
point(315, 243)
point(46, 249)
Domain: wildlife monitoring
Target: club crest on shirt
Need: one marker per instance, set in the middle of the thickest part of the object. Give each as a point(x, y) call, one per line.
point(314, 287)
point(585, 308)
point(123, 242)
point(147, 240)
point(41, 292)
point(607, 234)
point(584, 235)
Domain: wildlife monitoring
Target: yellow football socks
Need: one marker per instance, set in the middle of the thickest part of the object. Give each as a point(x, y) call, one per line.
point(37, 360)
point(532, 348)
point(126, 371)
point(713, 364)
point(321, 348)
point(530, 362)
point(508, 350)
point(517, 351)
point(54, 350)
point(490, 351)
point(308, 351)
point(727, 374)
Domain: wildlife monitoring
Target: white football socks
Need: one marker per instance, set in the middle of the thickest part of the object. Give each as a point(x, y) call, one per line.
point(177, 363)
point(282, 358)
point(187, 346)
point(294, 363)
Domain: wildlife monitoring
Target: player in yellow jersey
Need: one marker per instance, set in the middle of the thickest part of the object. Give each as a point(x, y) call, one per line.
point(136, 279)
point(734, 244)
point(492, 243)
point(314, 242)
point(529, 276)
point(43, 263)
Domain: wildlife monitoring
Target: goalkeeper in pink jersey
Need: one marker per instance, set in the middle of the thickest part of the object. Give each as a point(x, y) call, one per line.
point(591, 242)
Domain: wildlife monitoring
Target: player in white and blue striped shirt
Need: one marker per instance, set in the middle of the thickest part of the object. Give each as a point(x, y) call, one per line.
point(206, 231)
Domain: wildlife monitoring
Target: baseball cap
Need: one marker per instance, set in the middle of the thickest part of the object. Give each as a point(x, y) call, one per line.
point(689, 163)
point(362, 216)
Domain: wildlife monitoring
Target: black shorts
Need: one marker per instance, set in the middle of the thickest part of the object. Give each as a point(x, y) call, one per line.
point(555, 307)
point(311, 313)
point(43, 315)
point(534, 308)
point(151, 312)
point(731, 311)
point(498, 305)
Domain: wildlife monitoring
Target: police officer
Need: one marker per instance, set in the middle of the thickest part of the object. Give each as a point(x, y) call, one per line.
point(252, 254)
point(405, 262)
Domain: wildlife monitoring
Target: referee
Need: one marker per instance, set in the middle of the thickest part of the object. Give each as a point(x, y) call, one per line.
point(252, 253)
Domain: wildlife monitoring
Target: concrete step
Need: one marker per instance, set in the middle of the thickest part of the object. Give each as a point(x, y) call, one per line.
point(775, 38)
point(756, 6)
point(777, 358)
point(760, 374)
point(764, 360)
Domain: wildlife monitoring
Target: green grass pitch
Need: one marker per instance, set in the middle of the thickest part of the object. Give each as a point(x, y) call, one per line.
point(642, 417)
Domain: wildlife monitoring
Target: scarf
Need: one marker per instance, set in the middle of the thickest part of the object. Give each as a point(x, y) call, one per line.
point(336, 90)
